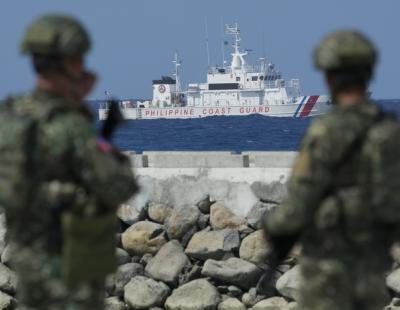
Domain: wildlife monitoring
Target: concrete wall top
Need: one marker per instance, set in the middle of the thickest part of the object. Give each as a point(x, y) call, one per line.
point(212, 159)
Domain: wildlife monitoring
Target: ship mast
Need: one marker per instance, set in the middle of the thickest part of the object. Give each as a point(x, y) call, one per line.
point(176, 74)
point(238, 61)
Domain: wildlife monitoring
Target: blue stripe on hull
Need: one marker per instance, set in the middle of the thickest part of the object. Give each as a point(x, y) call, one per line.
point(299, 107)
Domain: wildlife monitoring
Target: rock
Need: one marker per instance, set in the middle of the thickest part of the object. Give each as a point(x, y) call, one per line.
point(8, 280)
point(190, 272)
point(273, 303)
point(144, 260)
point(143, 237)
point(6, 255)
point(203, 221)
point(130, 215)
point(234, 271)
point(123, 274)
point(195, 295)
point(168, 263)
point(181, 220)
point(254, 248)
point(288, 284)
point(231, 304)
point(113, 303)
point(212, 244)
point(205, 204)
point(3, 232)
point(7, 302)
point(234, 291)
point(255, 216)
point(221, 217)
point(394, 304)
point(272, 192)
point(393, 281)
point(143, 293)
point(250, 298)
point(122, 257)
point(158, 212)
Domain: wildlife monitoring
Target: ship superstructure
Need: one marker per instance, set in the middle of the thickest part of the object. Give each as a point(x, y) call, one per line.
point(237, 89)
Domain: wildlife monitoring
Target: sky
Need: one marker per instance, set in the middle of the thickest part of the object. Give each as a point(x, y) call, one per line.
point(134, 40)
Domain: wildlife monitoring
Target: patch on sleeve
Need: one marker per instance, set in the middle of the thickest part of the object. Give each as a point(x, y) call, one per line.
point(103, 145)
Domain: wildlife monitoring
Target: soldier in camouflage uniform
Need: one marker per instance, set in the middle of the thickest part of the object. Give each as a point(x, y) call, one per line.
point(345, 237)
point(78, 171)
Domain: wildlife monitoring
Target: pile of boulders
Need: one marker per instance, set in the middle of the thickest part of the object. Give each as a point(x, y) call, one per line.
point(199, 256)
point(192, 257)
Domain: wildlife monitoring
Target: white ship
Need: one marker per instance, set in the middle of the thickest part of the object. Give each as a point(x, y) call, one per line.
point(238, 89)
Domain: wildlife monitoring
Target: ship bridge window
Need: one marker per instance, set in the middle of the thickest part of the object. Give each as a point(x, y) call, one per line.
point(261, 78)
point(254, 78)
point(237, 78)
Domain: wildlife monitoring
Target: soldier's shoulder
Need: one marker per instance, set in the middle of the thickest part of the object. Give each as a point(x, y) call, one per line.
point(328, 124)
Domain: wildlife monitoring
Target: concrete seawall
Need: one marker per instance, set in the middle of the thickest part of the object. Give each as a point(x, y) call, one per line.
point(239, 179)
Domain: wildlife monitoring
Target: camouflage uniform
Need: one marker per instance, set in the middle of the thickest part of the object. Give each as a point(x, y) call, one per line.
point(76, 174)
point(345, 245)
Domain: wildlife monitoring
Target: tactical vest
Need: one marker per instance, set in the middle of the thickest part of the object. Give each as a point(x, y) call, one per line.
point(362, 215)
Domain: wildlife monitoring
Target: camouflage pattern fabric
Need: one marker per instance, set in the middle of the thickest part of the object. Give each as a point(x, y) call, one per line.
point(345, 245)
point(344, 49)
point(55, 35)
point(76, 175)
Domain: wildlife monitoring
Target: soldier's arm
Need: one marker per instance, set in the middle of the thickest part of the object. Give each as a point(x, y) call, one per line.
point(94, 165)
point(311, 178)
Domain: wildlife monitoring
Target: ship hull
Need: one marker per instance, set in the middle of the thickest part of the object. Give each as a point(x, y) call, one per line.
point(306, 106)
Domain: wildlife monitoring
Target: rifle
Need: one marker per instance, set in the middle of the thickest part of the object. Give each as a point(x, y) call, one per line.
point(114, 119)
point(280, 249)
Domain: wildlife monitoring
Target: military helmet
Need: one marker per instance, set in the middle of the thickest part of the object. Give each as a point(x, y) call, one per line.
point(344, 49)
point(55, 35)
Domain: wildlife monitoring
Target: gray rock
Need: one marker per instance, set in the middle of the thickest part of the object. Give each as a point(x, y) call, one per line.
point(234, 291)
point(393, 281)
point(394, 304)
point(130, 215)
point(212, 244)
point(288, 284)
point(6, 255)
point(143, 293)
point(234, 271)
point(113, 303)
point(250, 298)
point(144, 260)
point(254, 248)
point(7, 302)
point(222, 217)
point(205, 204)
point(195, 295)
point(122, 257)
point(273, 303)
point(181, 220)
point(168, 263)
point(3, 232)
point(272, 192)
point(255, 216)
point(8, 280)
point(231, 304)
point(158, 212)
point(190, 272)
point(123, 274)
point(203, 221)
point(143, 237)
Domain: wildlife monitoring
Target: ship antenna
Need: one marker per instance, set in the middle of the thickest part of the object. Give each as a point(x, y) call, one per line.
point(177, 63)
point(223, 43)
point(207, 45)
